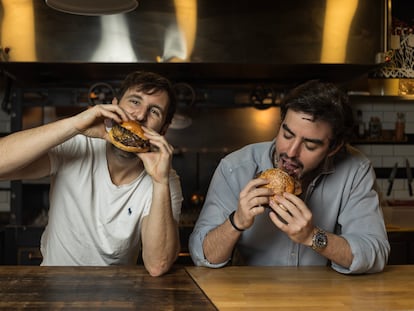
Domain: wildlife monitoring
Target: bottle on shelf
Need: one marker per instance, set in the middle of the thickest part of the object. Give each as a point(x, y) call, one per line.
point(360, 125)
point(400, 127)
point(375, 128)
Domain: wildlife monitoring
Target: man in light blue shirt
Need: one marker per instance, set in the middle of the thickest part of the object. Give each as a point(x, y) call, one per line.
point(337, 218)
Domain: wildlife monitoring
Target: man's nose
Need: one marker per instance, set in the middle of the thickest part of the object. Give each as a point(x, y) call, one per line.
point(294, 149)
point(140, 115)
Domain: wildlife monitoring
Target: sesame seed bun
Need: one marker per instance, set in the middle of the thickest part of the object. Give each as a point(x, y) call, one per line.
point(280, 181)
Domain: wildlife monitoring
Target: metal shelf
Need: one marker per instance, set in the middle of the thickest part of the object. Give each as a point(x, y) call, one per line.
point(379, 98)
point(370, 141)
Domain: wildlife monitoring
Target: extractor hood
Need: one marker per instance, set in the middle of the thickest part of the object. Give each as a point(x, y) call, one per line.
point(232, 38)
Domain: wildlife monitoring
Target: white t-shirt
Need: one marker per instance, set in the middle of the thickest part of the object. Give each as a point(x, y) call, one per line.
point(93, 222)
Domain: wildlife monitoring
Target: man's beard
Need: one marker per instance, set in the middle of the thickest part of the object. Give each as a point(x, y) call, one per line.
point(284, 158)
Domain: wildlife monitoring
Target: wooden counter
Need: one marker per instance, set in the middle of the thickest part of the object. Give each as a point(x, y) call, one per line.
point(230, 288)
point(109, 288)
point(306, 288)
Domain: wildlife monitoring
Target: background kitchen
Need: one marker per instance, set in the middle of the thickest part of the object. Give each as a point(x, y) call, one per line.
point(231, 63)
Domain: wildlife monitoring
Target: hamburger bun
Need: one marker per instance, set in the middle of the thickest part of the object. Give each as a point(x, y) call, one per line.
point(280, 181)
point(129, 136)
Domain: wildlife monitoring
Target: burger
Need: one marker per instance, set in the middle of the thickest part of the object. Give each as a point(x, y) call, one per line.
point(280, 181)
point(129, 136)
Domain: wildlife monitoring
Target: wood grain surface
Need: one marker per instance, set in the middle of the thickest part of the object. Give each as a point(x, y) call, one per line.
point(306, 288)
point(99, 288)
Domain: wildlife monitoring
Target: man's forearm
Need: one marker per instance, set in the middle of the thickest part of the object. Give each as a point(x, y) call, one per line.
point(219, 243)
point(161, 242)
point(338, 251)
point(21, 148)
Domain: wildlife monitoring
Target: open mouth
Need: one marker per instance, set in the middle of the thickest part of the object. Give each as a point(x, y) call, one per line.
point(291, 168)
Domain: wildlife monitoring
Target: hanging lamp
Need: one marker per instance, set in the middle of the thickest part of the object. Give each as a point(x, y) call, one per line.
point(93, 7)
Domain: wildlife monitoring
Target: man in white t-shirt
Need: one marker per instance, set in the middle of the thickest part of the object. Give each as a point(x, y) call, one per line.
point(106, 205)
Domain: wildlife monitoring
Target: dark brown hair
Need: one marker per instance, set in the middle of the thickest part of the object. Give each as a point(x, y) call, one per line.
point(323, 101)
point(150, 83)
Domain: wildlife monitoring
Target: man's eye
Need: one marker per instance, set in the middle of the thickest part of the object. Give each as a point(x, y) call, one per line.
point(311, 146)
point(287, 135)
point(156, 112)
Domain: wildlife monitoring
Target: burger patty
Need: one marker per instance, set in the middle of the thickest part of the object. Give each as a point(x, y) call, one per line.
point(128, 138)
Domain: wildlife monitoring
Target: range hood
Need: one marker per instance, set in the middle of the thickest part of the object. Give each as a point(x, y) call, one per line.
point(233, 39)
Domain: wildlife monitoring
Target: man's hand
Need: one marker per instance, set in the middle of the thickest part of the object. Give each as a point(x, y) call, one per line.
point(252, 200)
point(157, 163)
point(297, 218)
point(91, 121)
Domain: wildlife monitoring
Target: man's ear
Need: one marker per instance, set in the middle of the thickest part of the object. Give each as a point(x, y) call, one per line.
point(335, 150)
point(115, 101)
point(164, 128)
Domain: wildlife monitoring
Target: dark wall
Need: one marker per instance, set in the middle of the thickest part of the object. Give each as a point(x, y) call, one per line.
point(213, 133)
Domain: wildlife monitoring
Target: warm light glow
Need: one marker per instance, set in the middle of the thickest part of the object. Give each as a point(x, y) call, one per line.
point(115, 44)
point(338, 19)
point(265, 119)
point(180, 37)
point(18, 30)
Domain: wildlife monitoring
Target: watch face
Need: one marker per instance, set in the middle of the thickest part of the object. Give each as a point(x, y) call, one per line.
point(320, 240)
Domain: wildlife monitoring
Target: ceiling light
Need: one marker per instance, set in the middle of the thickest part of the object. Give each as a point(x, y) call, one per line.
point(93, 7)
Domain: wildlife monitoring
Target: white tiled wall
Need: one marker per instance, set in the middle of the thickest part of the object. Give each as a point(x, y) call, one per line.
point(386, 155)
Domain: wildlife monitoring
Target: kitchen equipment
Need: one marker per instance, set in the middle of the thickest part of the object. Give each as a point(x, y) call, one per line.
point(391, 178)
point(234, 32)
point(186, 98)
point(100, 93)
point(409, 176)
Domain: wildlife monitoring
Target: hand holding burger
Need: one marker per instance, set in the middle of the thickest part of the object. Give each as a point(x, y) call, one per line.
point(280, 181)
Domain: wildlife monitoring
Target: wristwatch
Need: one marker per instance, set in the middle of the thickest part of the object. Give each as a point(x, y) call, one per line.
point(319, 239)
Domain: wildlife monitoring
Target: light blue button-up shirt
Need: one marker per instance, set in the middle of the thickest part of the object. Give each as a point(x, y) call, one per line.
point(343, 200)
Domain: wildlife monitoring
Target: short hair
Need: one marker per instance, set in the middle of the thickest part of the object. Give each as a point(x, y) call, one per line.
point(150, 83)
point(323, 101)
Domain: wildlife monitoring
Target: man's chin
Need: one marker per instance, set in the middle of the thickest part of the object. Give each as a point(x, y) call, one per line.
point(123, 154)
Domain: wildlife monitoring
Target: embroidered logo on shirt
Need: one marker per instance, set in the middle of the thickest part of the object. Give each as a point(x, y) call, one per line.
point(129, 211)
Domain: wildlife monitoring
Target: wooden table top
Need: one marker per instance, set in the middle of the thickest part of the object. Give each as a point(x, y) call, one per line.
point(305, 288)
point(109, 288)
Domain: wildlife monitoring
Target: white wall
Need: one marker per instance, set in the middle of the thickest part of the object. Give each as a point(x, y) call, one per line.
point(385, 155)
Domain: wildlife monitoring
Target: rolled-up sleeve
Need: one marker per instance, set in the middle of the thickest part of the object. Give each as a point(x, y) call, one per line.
point(221, 200)
point(370, 255)
point(362, 224)
point(196, 249)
